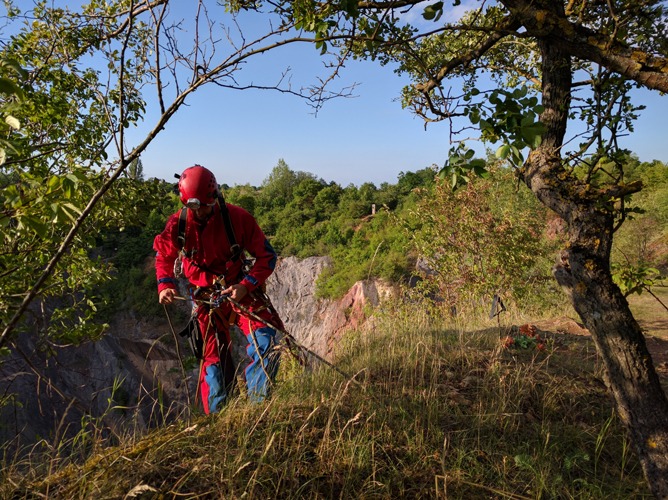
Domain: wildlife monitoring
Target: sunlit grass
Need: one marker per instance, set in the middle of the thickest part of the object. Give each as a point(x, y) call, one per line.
point(432, 406)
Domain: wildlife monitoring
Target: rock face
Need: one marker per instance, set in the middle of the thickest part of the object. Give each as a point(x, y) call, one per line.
point(317, 324)
point(54, 395)
point(77, 381)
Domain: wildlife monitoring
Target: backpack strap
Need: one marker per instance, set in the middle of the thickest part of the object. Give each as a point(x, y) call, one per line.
point(181, 238)
point(235, 249)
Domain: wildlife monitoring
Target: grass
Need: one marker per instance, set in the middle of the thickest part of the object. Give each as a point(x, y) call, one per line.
point(652, 313)
point(433, 408)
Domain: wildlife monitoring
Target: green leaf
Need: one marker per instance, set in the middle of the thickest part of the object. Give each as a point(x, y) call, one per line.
point(53, 183)
point(9, 87)
point(479, 167)
point(12, 122)
point(16, 67)
point(433, 11)
point(520, 92)
point(537, 139)
point(12, 196)
point(503, 152)
point(35, 225)
point(429, 13)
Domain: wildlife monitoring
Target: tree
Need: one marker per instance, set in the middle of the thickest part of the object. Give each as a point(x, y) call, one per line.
point(481, 240)
point(84, 76)
point(136, 170)
point(75, 80)
point(245, 196)
point(326, 201)
point(550, 65)
point(278, 188)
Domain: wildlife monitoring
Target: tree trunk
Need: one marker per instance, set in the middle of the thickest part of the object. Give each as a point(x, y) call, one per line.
point(641, 402)
point(583, 270)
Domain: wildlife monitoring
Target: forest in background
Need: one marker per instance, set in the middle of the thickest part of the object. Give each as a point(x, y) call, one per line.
point(515, 419)
point(489, 237)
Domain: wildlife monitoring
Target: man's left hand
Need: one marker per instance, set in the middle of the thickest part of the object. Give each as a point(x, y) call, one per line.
point(236, 292)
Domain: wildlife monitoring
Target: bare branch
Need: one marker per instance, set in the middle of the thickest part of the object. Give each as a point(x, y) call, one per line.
point(503, 29)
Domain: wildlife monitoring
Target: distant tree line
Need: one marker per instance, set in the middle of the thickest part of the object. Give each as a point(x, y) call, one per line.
point(489, 237)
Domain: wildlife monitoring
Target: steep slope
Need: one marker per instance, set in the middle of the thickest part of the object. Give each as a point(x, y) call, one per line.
point(318, 324)
point(53, 393)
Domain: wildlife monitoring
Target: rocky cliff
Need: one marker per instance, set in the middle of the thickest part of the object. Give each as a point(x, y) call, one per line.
point(54, 395)
point(318, 324)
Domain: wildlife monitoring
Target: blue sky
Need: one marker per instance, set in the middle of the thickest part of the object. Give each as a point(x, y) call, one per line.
point(241, 135)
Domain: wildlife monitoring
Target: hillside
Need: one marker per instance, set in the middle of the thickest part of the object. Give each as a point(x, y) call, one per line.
point(437, 407)
point(430, 397)
point(118, 381)
point(432, 409)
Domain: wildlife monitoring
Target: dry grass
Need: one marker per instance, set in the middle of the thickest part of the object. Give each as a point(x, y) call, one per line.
point(652, 313)
point(434, 409)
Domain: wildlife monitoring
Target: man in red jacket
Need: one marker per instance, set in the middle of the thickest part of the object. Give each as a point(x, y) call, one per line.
point(211, 255)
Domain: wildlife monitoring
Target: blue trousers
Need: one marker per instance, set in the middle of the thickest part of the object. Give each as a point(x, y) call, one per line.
point(264, 361)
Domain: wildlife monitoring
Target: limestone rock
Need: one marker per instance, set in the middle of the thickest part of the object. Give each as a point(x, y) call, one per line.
point(77, 380)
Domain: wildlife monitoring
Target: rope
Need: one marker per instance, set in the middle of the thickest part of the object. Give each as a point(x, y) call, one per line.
point(290, 339)
point(287, 335)
point(178, 355)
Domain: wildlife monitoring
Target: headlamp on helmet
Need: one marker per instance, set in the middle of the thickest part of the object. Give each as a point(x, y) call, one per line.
point(198, 187)
point(195, 204)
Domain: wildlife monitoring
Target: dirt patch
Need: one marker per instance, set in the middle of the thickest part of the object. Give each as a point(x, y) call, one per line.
point(651, 315)
point(563, 324)
point(658, 348)
point(651, 312)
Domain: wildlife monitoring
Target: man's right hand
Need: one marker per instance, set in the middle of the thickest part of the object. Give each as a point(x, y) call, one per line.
point(167, 296)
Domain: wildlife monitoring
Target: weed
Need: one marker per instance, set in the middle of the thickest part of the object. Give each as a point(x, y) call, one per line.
point(436, 409)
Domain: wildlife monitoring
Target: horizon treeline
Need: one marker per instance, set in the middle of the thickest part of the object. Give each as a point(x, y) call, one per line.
point(490, 237)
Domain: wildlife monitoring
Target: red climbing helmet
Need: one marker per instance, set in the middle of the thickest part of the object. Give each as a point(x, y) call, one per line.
point(197, 187)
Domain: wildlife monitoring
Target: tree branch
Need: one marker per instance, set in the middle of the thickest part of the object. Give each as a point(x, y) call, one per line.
point(589, 45)
point(503, 29)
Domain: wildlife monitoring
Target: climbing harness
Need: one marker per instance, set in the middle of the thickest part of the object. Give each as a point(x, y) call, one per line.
point(296, 349)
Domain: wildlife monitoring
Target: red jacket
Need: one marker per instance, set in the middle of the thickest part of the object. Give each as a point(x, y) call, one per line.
point(208, 250)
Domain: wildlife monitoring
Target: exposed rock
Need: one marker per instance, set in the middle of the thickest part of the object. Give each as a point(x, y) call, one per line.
point(78, 380)
point(318, 324)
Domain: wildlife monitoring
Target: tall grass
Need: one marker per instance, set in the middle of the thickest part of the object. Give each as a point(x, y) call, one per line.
point(432, 408)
